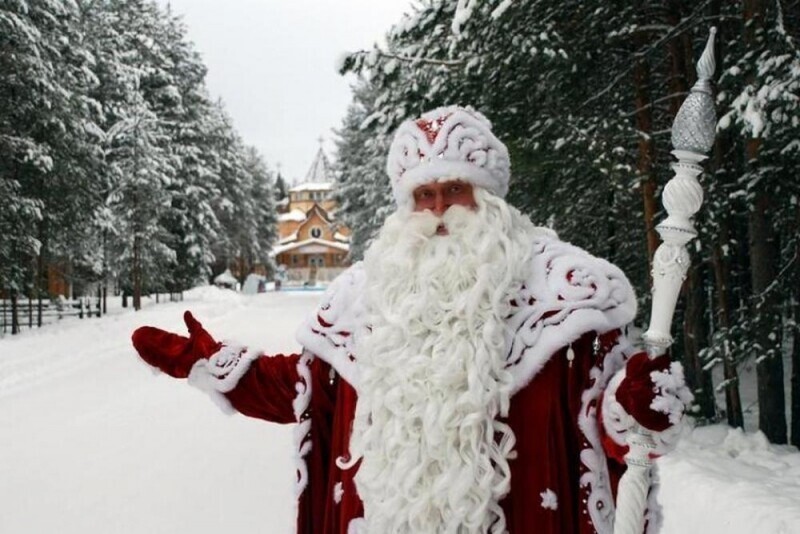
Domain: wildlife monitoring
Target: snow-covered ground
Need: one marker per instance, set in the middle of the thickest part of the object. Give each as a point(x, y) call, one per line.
point(93, 442)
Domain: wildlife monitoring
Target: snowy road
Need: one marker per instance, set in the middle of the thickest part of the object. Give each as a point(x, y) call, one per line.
point(93, 442)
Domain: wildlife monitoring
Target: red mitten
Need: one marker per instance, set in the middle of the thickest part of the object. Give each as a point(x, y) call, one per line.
point(174, 354)
point(654, 392)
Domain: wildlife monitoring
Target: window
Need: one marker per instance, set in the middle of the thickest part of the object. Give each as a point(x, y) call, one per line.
point(316, 232)
point(295, 259)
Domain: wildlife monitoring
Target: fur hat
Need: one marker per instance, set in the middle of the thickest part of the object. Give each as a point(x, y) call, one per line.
point(444, 144)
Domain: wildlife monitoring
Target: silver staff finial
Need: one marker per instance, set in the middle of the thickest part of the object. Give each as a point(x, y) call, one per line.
point(707, 65)
point(696, 121)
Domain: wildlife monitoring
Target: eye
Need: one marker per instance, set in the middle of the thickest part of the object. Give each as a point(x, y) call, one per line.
point(424, 194)
point(456, 188)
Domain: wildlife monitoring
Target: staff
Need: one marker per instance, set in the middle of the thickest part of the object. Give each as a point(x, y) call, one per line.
point(692, 136)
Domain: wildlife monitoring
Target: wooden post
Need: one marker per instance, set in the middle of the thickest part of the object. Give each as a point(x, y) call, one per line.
point(14, 315)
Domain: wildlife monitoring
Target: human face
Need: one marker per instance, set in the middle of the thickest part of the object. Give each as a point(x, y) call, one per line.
point(439, 196)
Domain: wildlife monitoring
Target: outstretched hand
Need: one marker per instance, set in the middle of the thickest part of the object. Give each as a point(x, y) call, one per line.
point(172, 353)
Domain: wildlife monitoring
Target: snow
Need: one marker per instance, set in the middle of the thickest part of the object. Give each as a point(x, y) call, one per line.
point(294, 215)
point(723, 480)
point(462, 15)
point(94, 441)
point(312, 186)
point(501, 8)
point(280, 249)
point(225, 278)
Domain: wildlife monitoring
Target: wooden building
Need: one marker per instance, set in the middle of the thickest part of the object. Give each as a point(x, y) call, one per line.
point(312, 244)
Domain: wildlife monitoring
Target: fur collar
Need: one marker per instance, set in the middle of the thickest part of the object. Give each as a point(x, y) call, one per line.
point(567, 293)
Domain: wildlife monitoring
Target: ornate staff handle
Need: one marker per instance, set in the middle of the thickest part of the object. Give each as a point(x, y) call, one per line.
point(692, 137)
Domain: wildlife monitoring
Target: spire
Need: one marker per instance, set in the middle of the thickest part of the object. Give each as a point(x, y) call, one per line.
point(319, 171)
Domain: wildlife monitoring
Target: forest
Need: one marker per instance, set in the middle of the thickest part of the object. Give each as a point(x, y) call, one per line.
point(118, 171)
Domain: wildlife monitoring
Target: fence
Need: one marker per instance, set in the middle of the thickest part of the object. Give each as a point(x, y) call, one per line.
point(52, 311)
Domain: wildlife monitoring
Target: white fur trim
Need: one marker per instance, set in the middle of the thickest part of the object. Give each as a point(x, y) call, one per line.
point(580, 292)
point(463, 146)
point(300, 404)
point(338, 491)
point(331, 332)
point(357, 525)
point(220, 373)
point(672, 395)
point(596, 479)
point(440, 170)
point(616, 421)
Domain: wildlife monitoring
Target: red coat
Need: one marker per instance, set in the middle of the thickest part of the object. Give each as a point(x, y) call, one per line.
point(567, 466)
point(545, 417)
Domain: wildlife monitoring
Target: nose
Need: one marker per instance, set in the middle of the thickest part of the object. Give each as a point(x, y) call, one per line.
point(440, 205)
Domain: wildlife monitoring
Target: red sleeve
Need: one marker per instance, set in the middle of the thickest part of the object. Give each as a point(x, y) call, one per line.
point(268, 388)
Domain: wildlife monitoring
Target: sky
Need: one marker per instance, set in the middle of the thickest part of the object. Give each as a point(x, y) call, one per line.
point(273, 63)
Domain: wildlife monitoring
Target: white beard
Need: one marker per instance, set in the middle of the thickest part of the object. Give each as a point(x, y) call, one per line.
point(433, 382)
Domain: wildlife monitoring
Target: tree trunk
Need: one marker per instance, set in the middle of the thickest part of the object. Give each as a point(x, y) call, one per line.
point(795, 399)
point(30, 308)
point(41, 269)
point(720, 260)
point(767, 319)
point(105, 273)
point(646, 159)
point(137, 275)
point(764, 259)
point(695, 338)
point(678, 79)
point(733, 402)
point(41, 286)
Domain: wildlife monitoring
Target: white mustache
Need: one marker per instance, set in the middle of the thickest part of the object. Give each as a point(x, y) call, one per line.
point(426, 224)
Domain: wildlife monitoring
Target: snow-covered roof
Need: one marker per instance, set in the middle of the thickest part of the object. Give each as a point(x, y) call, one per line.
point(294, 215)
point(288, 239)
point(312, 186)
point(341, 237)
point(298, 244)
point(225, 278)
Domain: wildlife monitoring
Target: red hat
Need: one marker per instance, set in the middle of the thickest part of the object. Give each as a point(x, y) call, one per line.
point(447, 143)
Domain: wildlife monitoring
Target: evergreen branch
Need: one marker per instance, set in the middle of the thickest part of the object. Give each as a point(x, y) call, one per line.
point(654, 102)
point(412, 59)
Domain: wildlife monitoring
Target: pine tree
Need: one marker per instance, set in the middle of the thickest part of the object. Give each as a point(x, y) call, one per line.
point(361, 182)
